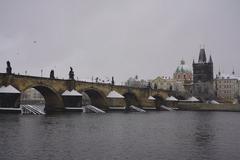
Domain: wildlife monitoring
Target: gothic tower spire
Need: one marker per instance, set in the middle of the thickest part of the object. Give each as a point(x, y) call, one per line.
point(210, 59)
point(202, 56)
point(233, 72)
point(219, 71)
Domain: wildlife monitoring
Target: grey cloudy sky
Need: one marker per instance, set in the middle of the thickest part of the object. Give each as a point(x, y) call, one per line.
point(118, 38)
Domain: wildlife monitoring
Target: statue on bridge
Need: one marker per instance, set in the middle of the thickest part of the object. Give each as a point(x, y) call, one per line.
point(149, 85)
point(71, 74)
point(9, 68)
point(113, 81)
point(52, 74)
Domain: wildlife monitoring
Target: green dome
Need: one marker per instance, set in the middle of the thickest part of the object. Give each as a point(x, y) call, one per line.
point(183, 68)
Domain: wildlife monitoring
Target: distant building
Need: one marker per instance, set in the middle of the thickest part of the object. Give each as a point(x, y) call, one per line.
point(135, 82)
point(183, 72)
point(166, 83)
point(227, 86)
point(184, 75)
point(203, 77)
point(181, 77)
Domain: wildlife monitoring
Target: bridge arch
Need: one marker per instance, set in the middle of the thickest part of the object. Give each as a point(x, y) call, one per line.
point(53, 100)
point(97, 97)
point(131, 99)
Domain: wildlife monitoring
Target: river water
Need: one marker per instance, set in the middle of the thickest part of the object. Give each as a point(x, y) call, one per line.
point(148, 136)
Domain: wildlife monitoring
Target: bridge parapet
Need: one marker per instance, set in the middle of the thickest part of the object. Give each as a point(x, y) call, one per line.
point(52, 89)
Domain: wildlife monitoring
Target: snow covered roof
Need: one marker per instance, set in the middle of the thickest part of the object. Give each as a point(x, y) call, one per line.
point(171, 98)
point(151, 98)
point(71, 93)
point(8, 89)
point(228, 76)
point(114, 94)
point(192, 99)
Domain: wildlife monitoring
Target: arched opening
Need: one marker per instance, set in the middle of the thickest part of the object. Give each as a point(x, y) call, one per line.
point(43, 97)
point(86, 100)
point(32, 97)
point(94, 98)
point(159, 101)
point(131, 99)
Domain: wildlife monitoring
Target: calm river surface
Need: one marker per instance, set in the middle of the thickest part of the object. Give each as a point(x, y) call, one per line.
point(134, 136)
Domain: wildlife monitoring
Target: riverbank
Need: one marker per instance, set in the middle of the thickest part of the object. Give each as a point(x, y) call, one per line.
point(209, 107)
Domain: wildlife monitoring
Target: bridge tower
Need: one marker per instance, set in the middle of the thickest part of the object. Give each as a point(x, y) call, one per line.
point(203, 77)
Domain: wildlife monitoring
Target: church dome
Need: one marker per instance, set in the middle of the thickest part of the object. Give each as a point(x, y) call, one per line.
point(183, 68)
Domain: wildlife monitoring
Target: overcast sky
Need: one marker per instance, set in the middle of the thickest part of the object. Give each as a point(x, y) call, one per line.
point(119, 38)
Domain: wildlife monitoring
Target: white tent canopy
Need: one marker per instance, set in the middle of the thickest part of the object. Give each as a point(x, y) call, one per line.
point(151, 98)
point(114, 94)
point(71, 93)
point(171, 98)
point(8, 89)
point(192, 99)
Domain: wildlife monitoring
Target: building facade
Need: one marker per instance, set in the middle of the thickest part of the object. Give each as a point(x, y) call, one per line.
point(183, 72)
point(203, 87)
point(184, 76)
point(136, 82)
point(227, 86)
point(166, 83)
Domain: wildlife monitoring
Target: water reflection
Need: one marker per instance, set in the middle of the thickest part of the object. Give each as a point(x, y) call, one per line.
point(204, 131)
point(204, 134)
point(154, 135)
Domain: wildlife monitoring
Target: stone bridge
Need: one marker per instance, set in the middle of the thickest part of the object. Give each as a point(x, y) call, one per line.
point(52, 90)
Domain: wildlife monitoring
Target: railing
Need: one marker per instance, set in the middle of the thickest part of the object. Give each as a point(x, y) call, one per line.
point(166, 108)
point(136, 108)
point(31, 109)
point(81, 81)
point(93, 109)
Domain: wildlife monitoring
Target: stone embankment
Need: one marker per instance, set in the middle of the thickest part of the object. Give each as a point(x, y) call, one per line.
point(209, 107)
